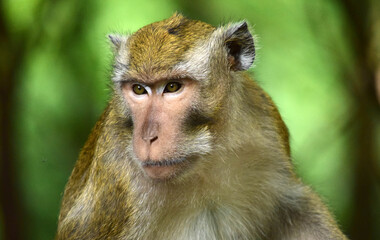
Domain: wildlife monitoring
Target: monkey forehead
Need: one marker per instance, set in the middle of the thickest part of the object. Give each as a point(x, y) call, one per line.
point(160, 45)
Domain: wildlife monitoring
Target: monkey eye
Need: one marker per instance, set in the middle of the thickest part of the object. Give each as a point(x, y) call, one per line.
point(172, 87)
point(138, 89)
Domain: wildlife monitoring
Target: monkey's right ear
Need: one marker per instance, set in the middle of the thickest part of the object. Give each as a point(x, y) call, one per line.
point(117, 40)
point(240, 46)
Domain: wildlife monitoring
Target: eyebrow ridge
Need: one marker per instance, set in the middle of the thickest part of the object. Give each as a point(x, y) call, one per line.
point(161, 79)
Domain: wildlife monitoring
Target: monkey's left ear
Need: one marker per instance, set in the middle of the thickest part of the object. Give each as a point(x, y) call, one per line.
point(240, 46)
point(117, 40)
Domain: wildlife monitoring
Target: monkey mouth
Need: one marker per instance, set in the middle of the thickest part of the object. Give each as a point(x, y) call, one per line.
point(163, 163)
point(164, 169)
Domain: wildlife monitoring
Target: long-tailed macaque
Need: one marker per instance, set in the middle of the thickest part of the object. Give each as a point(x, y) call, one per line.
point(189, 147)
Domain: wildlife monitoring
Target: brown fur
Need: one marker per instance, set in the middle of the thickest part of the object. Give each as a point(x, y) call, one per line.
point(159, 46)
point(236, 180)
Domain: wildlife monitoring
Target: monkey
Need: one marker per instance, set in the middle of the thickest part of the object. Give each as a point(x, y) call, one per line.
point(189, 147)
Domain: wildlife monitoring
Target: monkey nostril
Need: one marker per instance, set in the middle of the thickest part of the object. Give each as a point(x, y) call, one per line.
point(150, 139)
point(153, 139)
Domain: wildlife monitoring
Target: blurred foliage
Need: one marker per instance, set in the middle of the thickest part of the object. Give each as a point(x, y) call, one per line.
point(61, 84)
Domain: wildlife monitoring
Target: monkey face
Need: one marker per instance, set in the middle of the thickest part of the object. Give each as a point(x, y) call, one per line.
point(159, 112)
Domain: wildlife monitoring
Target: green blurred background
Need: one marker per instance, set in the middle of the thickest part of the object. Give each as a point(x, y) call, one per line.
point(319, 60)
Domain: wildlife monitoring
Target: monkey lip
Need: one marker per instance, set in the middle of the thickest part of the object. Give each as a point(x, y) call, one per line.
point(164, 169)
point(163, 163)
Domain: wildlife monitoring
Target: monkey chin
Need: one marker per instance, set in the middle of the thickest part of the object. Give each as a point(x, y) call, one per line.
point(163, 170)
point(161, 173)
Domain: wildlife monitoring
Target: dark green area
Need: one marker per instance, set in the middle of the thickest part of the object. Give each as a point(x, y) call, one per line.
point(317, 59)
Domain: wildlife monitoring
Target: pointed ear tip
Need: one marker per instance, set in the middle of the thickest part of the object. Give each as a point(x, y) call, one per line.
point(243, 24)
point(116, 39)
point(111, 37)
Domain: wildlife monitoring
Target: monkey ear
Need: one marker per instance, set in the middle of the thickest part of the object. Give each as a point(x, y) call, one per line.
point(117, 40)
point(240, 46)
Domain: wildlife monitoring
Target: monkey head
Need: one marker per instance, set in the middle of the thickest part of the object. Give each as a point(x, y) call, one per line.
point(172, 80)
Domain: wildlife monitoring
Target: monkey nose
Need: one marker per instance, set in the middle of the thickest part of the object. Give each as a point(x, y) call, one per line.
point(150, 133)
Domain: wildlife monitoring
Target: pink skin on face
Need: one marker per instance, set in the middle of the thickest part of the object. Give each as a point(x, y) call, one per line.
point(157, 116)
